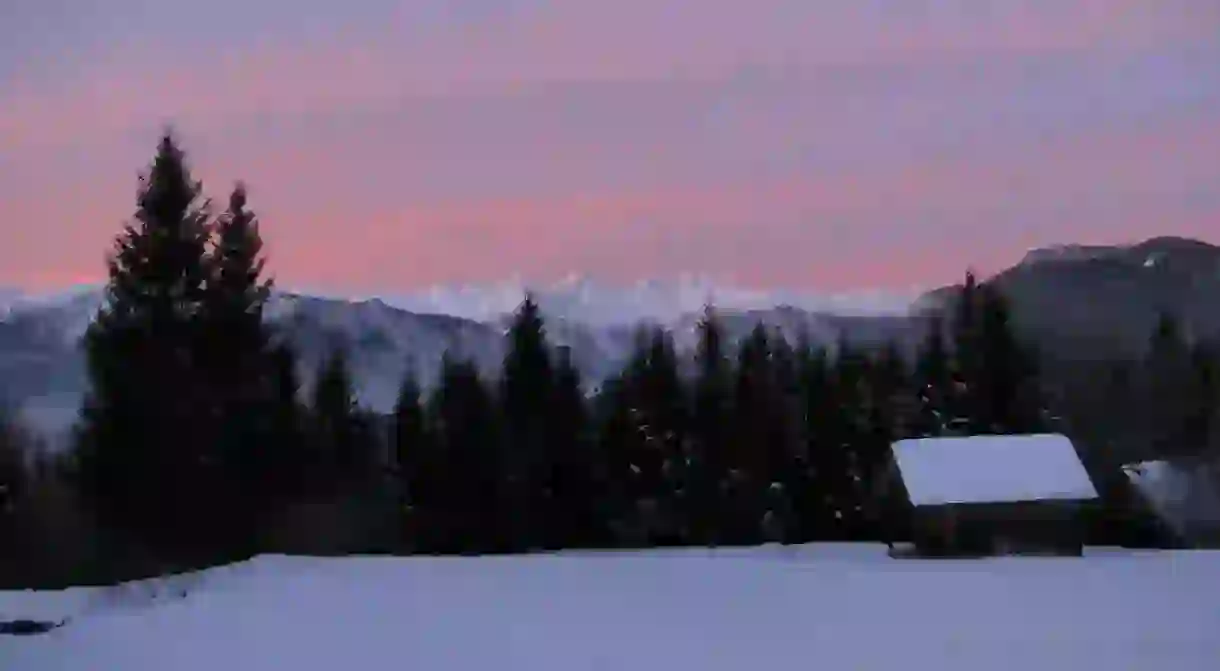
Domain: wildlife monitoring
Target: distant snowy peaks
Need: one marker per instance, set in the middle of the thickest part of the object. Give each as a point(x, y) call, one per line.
point(579, 298)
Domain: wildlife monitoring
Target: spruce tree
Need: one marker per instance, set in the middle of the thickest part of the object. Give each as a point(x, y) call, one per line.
point(663, 425)
point(342, 450)
point(790, 443)
point(758, 435)
point(1007, 388)
point(710, 430)
point(146, 456)
point(960, 398)
point(965, 325)
point(574, 485)
point(933, 378)
point(413, 452)
point(238, 360)
point(527, 385)
point(410, 432)
point(14, 479)
point(468, 515)
point(889, 413)
point(995, 386)
point(819, 472)
point(891, 375)
point(237, 293)
point(863, 419)
point(847, 434)
point(643, 430)
point(1169, 373)
point(618, 445)
point(290, 479)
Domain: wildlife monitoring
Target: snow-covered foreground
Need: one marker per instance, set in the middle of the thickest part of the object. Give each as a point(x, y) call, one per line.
point(813, 607)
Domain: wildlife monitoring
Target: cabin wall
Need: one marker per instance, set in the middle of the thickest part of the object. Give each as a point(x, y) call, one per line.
point(986, 529)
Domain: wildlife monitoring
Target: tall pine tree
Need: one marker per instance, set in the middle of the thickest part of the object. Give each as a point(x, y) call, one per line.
point(527, 386)
point(662, 422)
point(286, 418)
point(236, 295)
point(821, 470)
point(710, 430)
point(759, 450)
point(414, 455)
point(239, 363)
point(643, 431)
point(146, 456)
point(933, 379)
point(343, 449)
point(574, 483)
point(15, 477)
point(1171, 390)
point(468, 514)
point(994, 386)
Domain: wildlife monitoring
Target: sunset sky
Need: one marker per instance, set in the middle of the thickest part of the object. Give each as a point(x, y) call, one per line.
point(817, 144)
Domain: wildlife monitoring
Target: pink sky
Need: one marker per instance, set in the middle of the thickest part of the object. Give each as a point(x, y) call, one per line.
point(825, 145)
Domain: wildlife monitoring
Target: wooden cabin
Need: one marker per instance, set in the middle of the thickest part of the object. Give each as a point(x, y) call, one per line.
point(993, 495)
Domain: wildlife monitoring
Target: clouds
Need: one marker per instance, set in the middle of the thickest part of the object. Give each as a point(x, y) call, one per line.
point(779, 141)
point(227, 59)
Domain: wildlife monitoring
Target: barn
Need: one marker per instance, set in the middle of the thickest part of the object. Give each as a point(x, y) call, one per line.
point(995, 494)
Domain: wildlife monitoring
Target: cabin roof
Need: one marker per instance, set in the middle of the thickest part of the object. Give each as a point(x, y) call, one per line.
point(992, 469)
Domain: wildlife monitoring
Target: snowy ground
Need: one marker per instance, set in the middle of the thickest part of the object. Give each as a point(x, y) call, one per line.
point(813, 607)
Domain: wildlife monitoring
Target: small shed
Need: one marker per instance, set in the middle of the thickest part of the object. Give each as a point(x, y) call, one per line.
point(995, 494)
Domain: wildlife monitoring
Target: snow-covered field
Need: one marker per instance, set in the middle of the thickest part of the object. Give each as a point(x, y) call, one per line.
point(812, 607)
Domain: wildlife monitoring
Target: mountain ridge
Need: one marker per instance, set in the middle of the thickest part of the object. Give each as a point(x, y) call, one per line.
point(44, 375)
point(1087, 301)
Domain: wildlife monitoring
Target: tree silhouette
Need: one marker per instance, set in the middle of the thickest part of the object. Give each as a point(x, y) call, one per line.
point(710, 430)
point(574, 485)
point(527, 387)
point(343, 449)
point(146, 446)
point(239, 367)
point(469, 515)
point(414, 454)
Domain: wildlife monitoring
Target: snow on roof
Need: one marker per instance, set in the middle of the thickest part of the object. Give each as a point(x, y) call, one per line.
point(992, 469)
point(1184, 495)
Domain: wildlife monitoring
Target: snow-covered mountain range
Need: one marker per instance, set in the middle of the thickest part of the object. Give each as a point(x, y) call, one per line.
point(578, 298)
point(42, 371)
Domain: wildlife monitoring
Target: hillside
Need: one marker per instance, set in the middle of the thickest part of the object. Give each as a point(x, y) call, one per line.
point(1099, 301)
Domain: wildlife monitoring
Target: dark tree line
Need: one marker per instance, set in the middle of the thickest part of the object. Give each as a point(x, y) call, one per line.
point(198, 444)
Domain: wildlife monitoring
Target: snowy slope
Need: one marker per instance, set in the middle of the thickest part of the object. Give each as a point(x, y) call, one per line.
point(813, 607)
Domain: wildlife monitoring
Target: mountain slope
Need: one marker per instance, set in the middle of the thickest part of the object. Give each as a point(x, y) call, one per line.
point(1103, 301)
